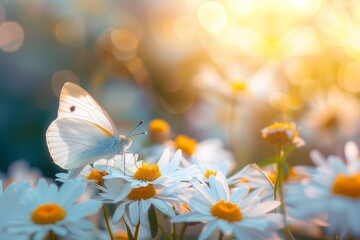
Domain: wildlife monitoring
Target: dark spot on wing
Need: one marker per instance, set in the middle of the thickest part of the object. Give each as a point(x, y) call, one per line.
point(72, 108)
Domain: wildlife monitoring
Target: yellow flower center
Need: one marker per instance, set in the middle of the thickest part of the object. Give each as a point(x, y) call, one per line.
point(186, 144)
point(227, 211)
point(272, 176)
point(279, 133)
point(209, 173)
point(97, 175)
point(281, 126)
point(142, 193)
point(121, 236)
point(48, 213)
point(147, 172)
point(239, 86)
point(159, 130)
point(348, 186)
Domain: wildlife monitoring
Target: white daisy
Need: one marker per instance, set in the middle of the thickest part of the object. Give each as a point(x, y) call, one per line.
point(10, 208)
point(49, 209)
point(333, 117)
point(20, 171)
point(240, 213)
point(253, 177)
point(134, 191)
point(164, 172)
point(90, 173)
point(334, 190)
point(208, 152)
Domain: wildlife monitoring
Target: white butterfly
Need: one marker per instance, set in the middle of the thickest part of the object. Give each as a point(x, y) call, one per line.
point(83, 132)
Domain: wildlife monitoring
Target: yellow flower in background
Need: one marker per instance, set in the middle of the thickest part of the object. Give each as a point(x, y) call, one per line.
point(186, 144)
point(159, 131)
point(282, 134)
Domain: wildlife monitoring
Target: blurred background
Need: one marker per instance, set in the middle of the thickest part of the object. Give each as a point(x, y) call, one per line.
point(223, 69)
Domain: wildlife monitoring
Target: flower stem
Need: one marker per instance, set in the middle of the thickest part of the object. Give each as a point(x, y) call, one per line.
point(163, 232)
point(221, 235)
point(137, 231)
point(183, 230)
point(107, 222)
point(173, 231)
point(278, 181)
point(278, 191)
point(52, 235)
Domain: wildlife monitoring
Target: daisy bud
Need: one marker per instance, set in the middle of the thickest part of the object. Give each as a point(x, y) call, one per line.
point(159, 131)
point(186, 144)
point(283, 134)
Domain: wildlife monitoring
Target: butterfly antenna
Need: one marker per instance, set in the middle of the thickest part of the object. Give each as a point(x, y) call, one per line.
point(129, 134)
point(136, 134)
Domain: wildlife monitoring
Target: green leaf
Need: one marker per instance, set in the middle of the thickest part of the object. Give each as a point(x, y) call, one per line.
point(286, 169)
point(130, 236)
point(267, 162)
point(287, 152)
point(153, 221)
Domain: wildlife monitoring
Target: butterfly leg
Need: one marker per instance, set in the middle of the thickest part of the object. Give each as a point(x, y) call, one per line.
point(135, 161)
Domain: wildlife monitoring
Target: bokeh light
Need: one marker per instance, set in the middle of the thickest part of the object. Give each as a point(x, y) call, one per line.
point(212, 16)
point(70, 31)
point(11, 36)
point(60, 77)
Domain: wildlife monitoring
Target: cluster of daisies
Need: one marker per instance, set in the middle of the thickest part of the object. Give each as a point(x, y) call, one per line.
point(175, 189)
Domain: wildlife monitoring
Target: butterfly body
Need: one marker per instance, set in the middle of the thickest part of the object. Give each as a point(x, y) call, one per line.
point(83, 132)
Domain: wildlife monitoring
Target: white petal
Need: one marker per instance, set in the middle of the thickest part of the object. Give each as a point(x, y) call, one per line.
point(241, 233)
point(239, 174)
point(84, 209)
point(145, 205)
point(59, 231)
point(317, 158)
point(144, 220)
point(192, 217)
point(134, 213)
point(40, 235)
point(262, 208)
point(173, 165)
point(118, 213)
point(250, 198)
point(204, 191)
point(163, 207)
point(127, 189)
point(352, 154)
point(219, 186)
point(225, 227)
point(199, 205)
point(70, 192)
point(164, 159)
point(208, 229)
point(239, 194)
point(256, 223)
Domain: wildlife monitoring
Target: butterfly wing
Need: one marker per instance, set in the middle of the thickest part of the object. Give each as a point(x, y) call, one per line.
point(74, 142)
point(75, 102)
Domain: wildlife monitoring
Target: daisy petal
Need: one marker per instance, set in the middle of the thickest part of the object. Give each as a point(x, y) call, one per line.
point(134, 213)
point(192, 217)
point(239, 194)
point(262, 208)
point(208, 229)
point(164, 159)
point(118, 213)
